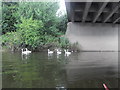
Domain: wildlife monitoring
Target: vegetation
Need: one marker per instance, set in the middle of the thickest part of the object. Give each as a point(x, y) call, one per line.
point(75, 47)
point(9, 18)
point(33, 24)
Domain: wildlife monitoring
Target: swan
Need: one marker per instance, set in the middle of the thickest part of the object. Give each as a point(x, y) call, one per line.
point(27, 50)
point(67, 52)
point(58, 52)
point(50, 52)
point(24, 52)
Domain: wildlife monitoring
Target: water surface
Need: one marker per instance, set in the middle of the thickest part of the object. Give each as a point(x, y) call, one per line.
point(79, 70)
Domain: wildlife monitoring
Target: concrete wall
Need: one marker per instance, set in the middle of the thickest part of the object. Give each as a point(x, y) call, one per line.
point(93, 37)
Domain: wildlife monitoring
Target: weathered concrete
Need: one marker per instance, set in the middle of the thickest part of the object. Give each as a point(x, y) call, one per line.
point(93, 37)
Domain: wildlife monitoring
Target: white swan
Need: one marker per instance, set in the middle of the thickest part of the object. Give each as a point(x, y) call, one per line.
point(24, 52)
point(50, 52)
point(27, 50)
point(58, 52)
point(67, 52)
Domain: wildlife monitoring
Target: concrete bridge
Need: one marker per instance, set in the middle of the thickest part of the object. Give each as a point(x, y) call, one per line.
point(94, 25)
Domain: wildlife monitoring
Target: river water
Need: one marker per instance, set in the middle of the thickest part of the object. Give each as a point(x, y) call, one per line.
point(79, 70)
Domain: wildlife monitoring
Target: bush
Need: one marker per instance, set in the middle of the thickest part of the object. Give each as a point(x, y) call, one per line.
point(29, 31)
point(64, 42)
point(75, 47)
point(11, 40)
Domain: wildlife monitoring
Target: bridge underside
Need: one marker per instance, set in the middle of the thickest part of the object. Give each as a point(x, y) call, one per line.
point(93, 12)
point(94, 25)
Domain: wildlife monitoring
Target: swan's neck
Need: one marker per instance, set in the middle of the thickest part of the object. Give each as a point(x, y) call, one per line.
point(22, 50)
point(26, 49)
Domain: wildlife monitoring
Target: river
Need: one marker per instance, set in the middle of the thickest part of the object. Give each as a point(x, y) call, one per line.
point(79, 70)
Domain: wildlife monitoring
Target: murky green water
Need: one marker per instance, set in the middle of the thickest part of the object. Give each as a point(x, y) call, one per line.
point(79, 70)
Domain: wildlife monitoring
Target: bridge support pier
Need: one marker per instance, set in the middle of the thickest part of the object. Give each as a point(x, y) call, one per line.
point(93, 36)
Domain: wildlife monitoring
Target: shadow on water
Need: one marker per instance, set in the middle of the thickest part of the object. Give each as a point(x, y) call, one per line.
point(79, 70)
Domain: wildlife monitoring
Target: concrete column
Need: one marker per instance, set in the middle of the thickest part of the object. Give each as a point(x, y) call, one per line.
point(93, 36)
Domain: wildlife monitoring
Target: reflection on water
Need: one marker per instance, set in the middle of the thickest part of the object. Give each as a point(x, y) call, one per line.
point(79, 70)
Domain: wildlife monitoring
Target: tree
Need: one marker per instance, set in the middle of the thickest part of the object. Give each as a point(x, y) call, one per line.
point(62, 23)
point(9, 17)
point(36, 23)
point(29, 32)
